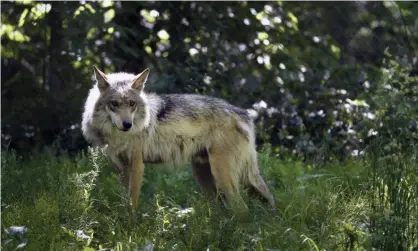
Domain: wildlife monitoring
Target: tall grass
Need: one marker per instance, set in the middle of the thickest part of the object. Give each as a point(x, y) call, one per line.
point(394, 218)
point(79, 204)
point(393, 159)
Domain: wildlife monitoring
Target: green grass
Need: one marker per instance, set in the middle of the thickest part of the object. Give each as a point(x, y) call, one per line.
point(321, 208)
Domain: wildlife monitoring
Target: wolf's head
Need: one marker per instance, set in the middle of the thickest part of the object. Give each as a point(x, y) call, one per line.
point(121, 97)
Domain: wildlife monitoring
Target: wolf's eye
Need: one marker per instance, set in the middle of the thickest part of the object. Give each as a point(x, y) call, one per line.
point(114, 103)
point(131, 103)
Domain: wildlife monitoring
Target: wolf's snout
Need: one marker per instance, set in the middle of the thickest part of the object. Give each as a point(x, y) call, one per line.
point(127, 125)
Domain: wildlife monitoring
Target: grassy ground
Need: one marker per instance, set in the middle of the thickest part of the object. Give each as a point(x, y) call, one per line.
point(80, 205)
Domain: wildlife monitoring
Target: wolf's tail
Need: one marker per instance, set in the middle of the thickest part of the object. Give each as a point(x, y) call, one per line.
point(256, 182)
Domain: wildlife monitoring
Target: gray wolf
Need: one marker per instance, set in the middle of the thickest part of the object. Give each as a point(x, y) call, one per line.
point(137, 127)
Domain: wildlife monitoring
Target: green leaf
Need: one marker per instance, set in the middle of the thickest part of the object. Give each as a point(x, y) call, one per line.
point(262, 35)
point(22, 18)
point(109, 15)
point(293, 18)
point(336, 51)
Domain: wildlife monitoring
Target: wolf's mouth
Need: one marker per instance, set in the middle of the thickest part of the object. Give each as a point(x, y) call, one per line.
point(125, 129)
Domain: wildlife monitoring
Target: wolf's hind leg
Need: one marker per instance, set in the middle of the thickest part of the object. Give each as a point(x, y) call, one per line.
point(203, 174)
point(225, 178)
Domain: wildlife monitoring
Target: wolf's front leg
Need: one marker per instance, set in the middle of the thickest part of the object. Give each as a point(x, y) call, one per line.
point(136, 172)
point(122, 170)
point(120, 165)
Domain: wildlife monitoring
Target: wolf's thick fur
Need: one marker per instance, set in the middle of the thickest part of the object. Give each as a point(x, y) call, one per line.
point(215, 136)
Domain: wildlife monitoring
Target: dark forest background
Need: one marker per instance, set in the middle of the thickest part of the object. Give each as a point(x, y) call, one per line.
point(325, 78)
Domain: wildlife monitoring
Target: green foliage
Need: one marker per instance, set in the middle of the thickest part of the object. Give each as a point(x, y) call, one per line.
point(80, 205)
point(310, 70)
point(397, 109)
point(394, 165)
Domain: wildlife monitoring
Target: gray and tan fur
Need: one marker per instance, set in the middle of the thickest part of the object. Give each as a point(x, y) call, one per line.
point(215, 136)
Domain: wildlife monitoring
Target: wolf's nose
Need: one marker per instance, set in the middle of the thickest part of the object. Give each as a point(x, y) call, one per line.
point(126, 124)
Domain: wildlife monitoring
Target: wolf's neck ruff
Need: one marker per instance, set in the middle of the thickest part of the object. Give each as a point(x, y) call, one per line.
point(175, 129)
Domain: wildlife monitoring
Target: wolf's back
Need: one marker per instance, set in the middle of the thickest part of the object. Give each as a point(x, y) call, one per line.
point(197, 106)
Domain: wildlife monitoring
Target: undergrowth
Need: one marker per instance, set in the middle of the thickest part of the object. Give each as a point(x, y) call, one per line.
point(79, 204)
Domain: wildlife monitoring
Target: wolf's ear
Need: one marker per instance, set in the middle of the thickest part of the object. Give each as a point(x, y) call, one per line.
point(140, 80)
point(101, 78)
